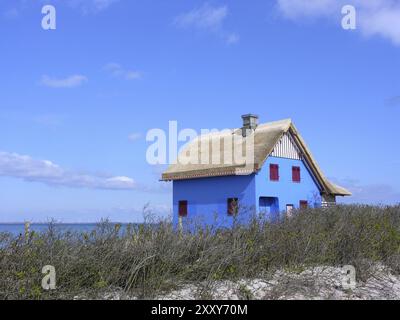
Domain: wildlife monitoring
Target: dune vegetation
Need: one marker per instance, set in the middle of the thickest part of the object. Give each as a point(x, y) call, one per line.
point(150, 259)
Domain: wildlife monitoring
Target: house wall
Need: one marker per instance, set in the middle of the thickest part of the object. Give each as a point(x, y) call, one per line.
point(207, 199)
point(287, 191)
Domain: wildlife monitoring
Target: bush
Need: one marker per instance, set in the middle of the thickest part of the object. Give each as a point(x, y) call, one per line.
point(144, 260)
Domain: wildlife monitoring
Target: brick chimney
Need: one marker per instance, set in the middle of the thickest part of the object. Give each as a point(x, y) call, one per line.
point(250, 122)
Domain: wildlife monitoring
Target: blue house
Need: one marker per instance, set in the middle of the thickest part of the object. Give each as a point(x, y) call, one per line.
point(209, 188)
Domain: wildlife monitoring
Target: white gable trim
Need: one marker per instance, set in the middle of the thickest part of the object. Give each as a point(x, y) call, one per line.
point(286, 148)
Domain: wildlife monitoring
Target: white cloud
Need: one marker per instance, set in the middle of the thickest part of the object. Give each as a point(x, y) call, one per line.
point(393, 101)
point(84, 6)
point(68, 82)
point(232, 38)
point(118, 71)
point(378, 193)
point(49, 120)
point(300, 8)
point(45, 171)
point(207, 18)
point(91, 6)
point(134, 136)
point(11, 13)
point(374, 17)
point(384, 22)
point(102, 4)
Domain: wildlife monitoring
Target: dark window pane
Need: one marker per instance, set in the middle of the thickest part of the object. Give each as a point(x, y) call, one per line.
point(232, 206)
point(183, 208)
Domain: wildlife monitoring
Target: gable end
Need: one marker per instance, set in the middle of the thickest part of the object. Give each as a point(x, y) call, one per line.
point(286, 148)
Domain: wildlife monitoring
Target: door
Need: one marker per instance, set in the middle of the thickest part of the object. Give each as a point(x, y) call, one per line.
point(289, 210)
point(269, 207)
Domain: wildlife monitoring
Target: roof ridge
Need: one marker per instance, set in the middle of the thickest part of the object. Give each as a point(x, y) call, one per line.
point(266, 135)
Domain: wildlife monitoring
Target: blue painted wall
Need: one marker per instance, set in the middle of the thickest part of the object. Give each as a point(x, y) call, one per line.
point(287, 191)
point(207, 197)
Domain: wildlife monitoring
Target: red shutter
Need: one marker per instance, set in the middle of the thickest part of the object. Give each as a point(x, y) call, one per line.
point(271, 172)
point(303, 204)
point(296, 174)
point(274, 172)
point(183, 208)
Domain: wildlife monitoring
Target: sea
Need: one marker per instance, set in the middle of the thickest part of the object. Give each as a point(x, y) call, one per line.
point(19, 228)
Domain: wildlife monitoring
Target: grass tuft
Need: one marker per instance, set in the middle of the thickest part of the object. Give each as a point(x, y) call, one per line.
point(146, 260)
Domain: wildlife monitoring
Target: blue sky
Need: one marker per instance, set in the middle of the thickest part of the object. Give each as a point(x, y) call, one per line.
point(76, 102)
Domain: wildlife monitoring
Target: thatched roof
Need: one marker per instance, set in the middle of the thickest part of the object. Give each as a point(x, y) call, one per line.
point(265, 138)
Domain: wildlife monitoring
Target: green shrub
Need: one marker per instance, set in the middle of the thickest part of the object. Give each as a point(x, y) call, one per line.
point(151, 258)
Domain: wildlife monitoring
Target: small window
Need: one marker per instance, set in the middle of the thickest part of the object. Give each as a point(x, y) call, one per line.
point(274, 172)
point(183, 211)
point(289, 210)
point(303, 204)
point(296, 174)
point(232, 206)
